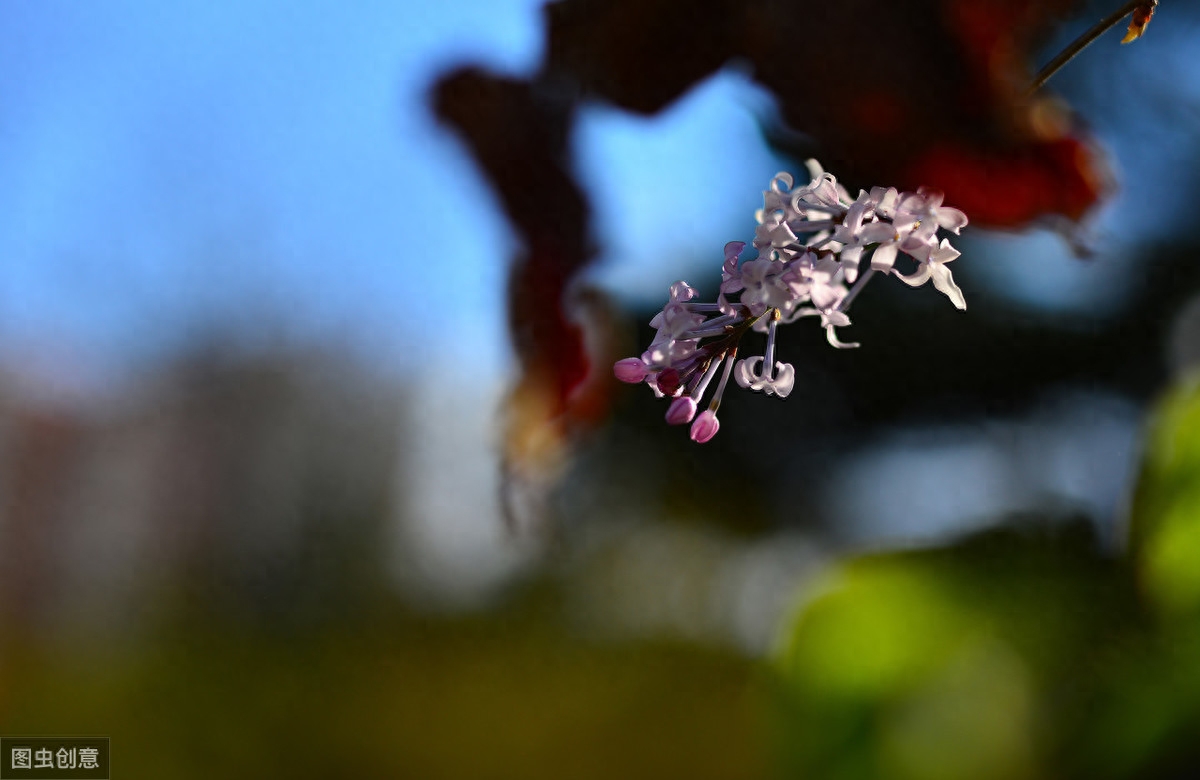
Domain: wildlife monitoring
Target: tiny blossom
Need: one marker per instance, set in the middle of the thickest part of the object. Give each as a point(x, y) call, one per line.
point(751, 377)
point(811, 242)
point(857, 236)
point(933, 265)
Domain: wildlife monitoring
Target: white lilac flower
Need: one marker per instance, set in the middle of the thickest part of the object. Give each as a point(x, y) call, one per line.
point(672, 342)
point(822, 276)
point(811, 241)
point(773, 233)
point(774, 378)
point(765, 287)
point(835, 319)
point(752, 374)
point(933, 266)
point(858, 231)
point(731, 280)
point(861, 231)
point(925, 206)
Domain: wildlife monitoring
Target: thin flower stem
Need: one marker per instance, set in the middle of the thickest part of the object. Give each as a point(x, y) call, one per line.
point(769, 356)
point(732, 334)
point(715, 403)
point(858, 285)
point(714, 327)
point(702, 385)
point(814, 226)
point(1081, 43)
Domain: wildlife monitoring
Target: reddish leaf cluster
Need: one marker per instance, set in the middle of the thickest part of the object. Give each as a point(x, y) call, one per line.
point(927, 93)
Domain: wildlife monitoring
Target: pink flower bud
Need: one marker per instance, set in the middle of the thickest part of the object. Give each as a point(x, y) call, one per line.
point(668, 381)
point(631, 370)
point(682, 410)
point(705, 427)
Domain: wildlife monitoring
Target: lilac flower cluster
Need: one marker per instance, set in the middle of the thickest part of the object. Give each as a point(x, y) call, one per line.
point(812, 242)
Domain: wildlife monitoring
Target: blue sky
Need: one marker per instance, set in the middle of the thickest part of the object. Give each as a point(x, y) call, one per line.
point(174, 164)
point(168, 167)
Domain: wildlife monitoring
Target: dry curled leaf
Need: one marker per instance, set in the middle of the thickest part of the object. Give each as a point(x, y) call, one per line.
point(1139, 20)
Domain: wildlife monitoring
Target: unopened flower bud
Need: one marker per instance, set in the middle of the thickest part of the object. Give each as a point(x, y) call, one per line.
point(705, 427)
point(631, 370)
point(668, 382)
point(681, 411)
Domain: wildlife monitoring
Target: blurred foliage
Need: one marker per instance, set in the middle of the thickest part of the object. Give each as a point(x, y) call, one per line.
point(389, 694)
point(980, 659)
point(1165, 534)
point(1028, 651)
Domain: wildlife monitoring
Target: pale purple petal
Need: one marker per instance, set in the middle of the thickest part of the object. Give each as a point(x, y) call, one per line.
point(785, 379)
point(723, 304)
point(884, 257)
point(847, 232)
point(944, 281)
point(918, 278)
point(682, 291)
point(826, 296)
point(838, 319)
point(826, 191)
point(833, 340)
point(732, 250)
point(944, 253)
point(773, 234)
point(744, 372)
point(933, 198)
point(850, 257)
point(877, 232)
point(921, 236)
point(950, 219)
point(886, 200)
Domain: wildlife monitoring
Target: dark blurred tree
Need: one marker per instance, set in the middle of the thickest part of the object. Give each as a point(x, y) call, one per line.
point(927, 94)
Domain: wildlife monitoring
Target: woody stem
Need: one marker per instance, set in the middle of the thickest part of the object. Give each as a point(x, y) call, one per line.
point(1081, 43)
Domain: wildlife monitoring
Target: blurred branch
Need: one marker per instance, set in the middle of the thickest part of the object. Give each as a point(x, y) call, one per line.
point(1142, 11)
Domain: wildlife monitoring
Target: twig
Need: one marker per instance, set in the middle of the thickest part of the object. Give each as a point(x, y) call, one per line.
point(1082, 42)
